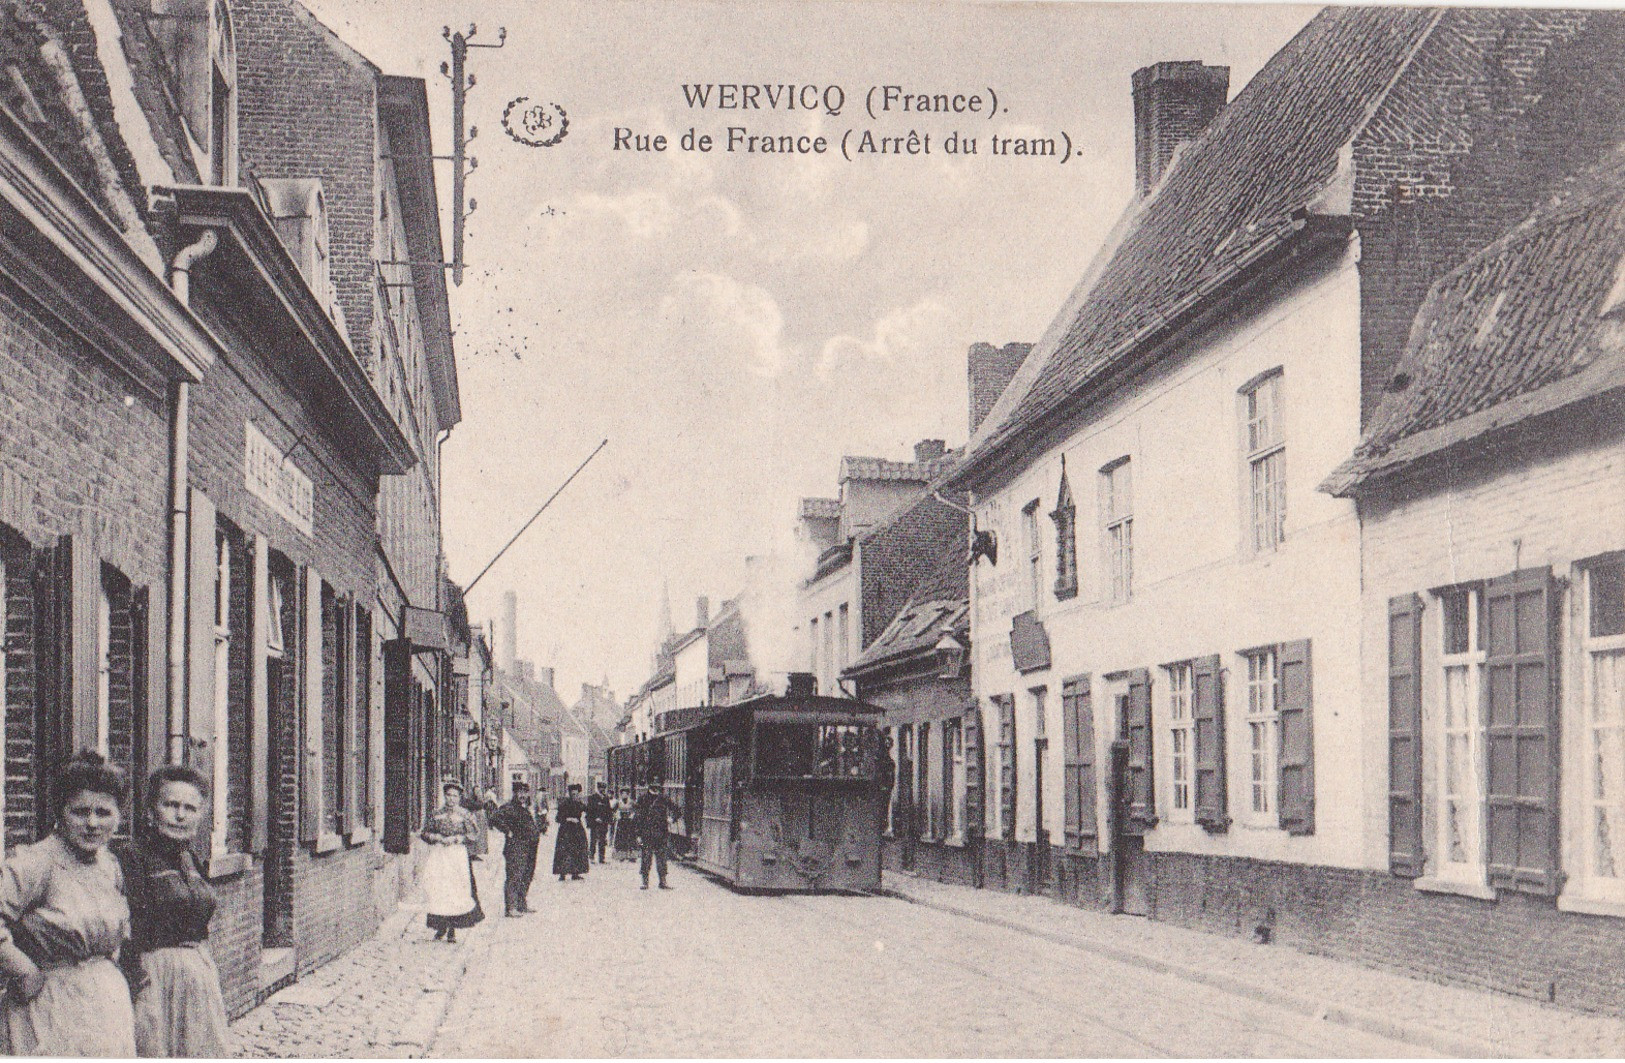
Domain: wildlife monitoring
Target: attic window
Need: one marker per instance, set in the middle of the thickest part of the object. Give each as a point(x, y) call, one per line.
point(199, 51)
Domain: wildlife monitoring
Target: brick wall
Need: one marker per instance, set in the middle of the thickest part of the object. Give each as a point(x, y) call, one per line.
point(896, 558)
point(332, 903)
point(990, 370)
point(1497, 107)
point(307, 107)
point(75, 459)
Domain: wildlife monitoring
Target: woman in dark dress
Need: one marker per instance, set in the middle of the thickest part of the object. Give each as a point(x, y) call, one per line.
point(570, 851)
point(178, 1007)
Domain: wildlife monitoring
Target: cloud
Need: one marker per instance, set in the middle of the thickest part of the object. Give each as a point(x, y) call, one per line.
point(711, 312)
point(909, 334)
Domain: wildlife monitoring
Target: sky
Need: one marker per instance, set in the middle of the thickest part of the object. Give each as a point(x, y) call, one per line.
point(733, 322)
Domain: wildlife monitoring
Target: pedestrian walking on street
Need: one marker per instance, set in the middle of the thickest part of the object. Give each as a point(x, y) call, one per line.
point(625, 841)
point(542, 821)
point(63, 919)
point(179, 1011)
point(448, 871)
point(653, 815)
point(600, 814)
point(570, 851)
point(521, 838)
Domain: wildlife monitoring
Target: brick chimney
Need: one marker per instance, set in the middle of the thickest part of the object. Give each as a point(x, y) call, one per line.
point(1173, 103)
point(929, 450)
point(702, 611)
point(544, 677)
point(990, 371)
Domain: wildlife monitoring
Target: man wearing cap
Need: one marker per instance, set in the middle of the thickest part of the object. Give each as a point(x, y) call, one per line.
point(653, 815)
point(521, 836)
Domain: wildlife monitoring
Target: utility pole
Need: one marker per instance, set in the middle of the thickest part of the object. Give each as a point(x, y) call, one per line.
point(461, 82)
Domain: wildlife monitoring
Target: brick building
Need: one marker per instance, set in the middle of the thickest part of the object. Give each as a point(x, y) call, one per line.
point(94, 346)
point(850, 595)
point(917, 671)
point(1172, 630)
point(1491, 490)
point(192, 567)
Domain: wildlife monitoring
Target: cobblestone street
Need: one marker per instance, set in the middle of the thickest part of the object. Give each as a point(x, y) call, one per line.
point(605, 969)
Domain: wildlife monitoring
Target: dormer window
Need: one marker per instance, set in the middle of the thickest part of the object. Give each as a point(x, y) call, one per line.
point(222, 97)
point(298, 209)
point(199, 50)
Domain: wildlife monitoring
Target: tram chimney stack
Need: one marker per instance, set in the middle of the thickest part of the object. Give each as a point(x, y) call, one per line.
point(801, 685)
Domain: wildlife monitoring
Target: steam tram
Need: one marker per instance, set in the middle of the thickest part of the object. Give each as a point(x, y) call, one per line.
point(776, 793)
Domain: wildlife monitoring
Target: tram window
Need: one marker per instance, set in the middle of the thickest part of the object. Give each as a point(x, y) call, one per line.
point(819, 750)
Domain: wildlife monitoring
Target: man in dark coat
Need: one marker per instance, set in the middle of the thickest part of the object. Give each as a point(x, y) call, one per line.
point(519, 829)
point(600, 813)
point(653, 814)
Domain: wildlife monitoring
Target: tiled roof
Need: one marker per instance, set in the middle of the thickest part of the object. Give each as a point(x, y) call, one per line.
point(1533, 322)
point(1233, 195)
point(860, 468)
point(821, 508)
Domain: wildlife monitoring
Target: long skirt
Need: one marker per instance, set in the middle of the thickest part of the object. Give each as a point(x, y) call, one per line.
point(570, 851)
point(448, 880)
point(180, 1011)
point(84, 1010)
point(626, 838)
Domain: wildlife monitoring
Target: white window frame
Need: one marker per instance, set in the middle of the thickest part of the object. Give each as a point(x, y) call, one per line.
point(104, 668)
point(222, 89)
point(1587, 881)
point(1033, 547)
point(826, 682)
point(843, 637)
point(815, 665)
point(222, 692)
point(1181, 737)
point(1457, 740)
point(1262, 677)
point(1264, 443)
point(1117, 528)
point(955, 803)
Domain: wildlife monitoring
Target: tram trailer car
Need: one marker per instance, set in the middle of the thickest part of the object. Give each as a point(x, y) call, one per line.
point(777, 793)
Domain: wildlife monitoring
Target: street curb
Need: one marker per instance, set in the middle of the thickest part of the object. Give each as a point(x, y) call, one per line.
point(1328, 1011)
point(450, 994)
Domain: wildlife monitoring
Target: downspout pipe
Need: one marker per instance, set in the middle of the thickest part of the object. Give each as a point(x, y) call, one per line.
point(180, 282)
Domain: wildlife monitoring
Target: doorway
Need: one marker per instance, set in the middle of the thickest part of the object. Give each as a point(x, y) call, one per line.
point(1131, 870)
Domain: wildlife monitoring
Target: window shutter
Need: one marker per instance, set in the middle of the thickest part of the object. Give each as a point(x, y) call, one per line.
point(1078, 751)
point(975, 809)
point(1297, 759)
point(310, 777)
point(1007, 765)
point(259, 809)
point(351, 813)
point(1405, 852)
point(364, 744)
point(201, 575)
point(53, 656)
point(1142, 806)
point(398, 713)
point(1520, 712)
point(1207, 723)
point(140, 696)
point(85, 582)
